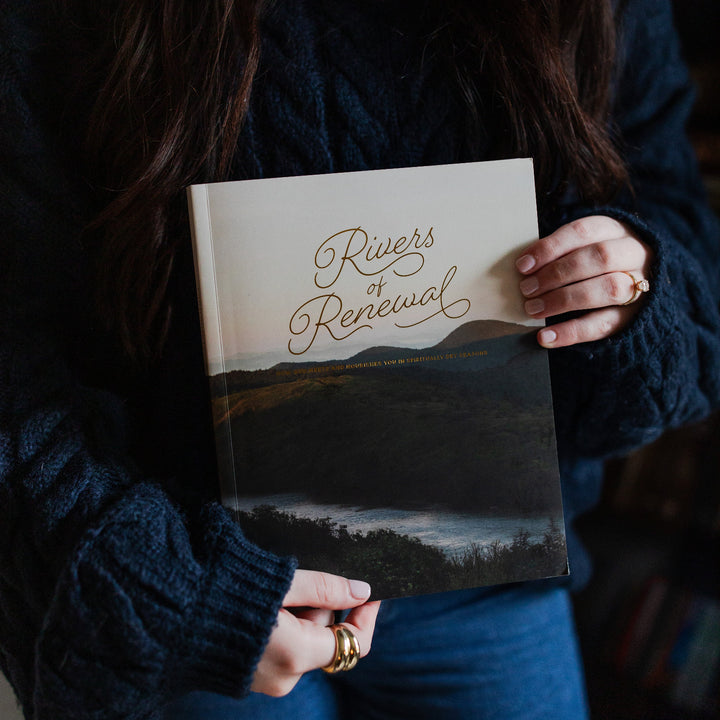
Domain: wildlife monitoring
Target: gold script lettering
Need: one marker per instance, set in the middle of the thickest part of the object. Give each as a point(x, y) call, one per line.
point(353, 247)
point(432, 294)
point(317, 313)
point(327, 311)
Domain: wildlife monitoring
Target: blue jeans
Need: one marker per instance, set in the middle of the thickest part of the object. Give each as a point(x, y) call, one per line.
point(505, 654)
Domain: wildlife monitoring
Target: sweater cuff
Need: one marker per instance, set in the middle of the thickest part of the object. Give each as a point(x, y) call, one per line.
point(236, 610)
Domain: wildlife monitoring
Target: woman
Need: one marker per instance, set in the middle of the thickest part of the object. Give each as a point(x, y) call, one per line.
point(126, 592)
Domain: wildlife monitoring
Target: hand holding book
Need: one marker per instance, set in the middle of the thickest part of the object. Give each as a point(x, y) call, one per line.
point(593, 264)
point(302, 639)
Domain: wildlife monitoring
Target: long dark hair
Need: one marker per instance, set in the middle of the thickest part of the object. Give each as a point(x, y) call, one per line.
point(545, 67)
point(168, 113)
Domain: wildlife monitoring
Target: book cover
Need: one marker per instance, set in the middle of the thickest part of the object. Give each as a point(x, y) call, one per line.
point(381, 407)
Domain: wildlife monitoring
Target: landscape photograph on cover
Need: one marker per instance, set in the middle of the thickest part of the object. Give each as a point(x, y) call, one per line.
point(415, 470)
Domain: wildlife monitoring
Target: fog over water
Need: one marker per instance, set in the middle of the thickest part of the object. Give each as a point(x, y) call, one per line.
point(451, 531)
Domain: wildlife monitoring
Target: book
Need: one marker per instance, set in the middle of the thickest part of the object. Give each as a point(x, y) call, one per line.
point(381, 407)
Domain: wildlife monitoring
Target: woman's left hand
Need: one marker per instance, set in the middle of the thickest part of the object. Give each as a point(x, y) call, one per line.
point(592, 265)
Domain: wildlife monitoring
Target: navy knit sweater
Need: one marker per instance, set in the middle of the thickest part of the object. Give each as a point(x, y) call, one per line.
point(122, 584)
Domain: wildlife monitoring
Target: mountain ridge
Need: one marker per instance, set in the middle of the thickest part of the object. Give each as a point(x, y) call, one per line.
point(465, 334)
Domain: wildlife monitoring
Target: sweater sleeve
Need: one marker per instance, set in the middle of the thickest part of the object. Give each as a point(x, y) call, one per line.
point(664, 369)
point(112, 600)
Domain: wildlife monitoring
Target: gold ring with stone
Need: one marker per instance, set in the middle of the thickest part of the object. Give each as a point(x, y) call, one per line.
point(347, 650)
point(639, 287)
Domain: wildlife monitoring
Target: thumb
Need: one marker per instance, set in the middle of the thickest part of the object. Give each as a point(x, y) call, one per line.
point(323, 590)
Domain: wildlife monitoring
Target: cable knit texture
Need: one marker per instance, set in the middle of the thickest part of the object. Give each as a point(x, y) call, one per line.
point(122, 585)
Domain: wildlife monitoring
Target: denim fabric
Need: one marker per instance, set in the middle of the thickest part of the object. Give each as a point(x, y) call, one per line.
point(506, 654)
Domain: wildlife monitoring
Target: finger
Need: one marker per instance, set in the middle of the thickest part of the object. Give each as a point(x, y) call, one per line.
point(361, 623)
point(319, 643)
point(574, 235)
point(594, 325)
point(323, 590)
point(284, 660)
point(298, 645)
point(588, 261)
point(315, 615)
point(610, 289)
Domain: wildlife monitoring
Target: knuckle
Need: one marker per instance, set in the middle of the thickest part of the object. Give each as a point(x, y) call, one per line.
point(556, 273)
point(323, 590)
point(548, 247)
point(605, 327)
point(281, 686)
point(288, 663)
point(615, 287)
point(603, 253)
point(577, 297)
point(553, 246)
point(571, 333)
point(583, 228)
point(597, 325)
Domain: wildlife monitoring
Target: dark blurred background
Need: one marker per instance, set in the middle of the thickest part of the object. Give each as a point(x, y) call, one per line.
point(698, 22)
point(650, 620)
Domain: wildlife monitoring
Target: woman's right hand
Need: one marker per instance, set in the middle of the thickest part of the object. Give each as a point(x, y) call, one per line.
point(302, 639)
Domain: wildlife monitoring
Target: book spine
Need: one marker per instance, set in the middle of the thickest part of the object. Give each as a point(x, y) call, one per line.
point(206, 279)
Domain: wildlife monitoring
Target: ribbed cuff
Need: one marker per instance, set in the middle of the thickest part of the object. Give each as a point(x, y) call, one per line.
point(236, 610)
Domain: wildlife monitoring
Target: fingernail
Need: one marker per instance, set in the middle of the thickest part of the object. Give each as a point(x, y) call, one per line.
point(529, 285)
point(525, 263)
point(359, 589)
point(533, 307)
point(547, 336)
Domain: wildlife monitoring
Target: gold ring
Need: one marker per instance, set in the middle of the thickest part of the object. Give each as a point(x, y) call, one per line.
point(347, 650)
point(639, 287)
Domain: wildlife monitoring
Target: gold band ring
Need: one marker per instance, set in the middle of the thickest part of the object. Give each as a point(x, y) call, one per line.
point(639, 287)
point(347, 650)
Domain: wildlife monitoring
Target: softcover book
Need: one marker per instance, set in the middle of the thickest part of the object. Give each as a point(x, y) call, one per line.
point(381, 407)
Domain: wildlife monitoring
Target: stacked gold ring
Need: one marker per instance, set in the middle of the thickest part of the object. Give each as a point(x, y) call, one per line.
point(347, 650)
